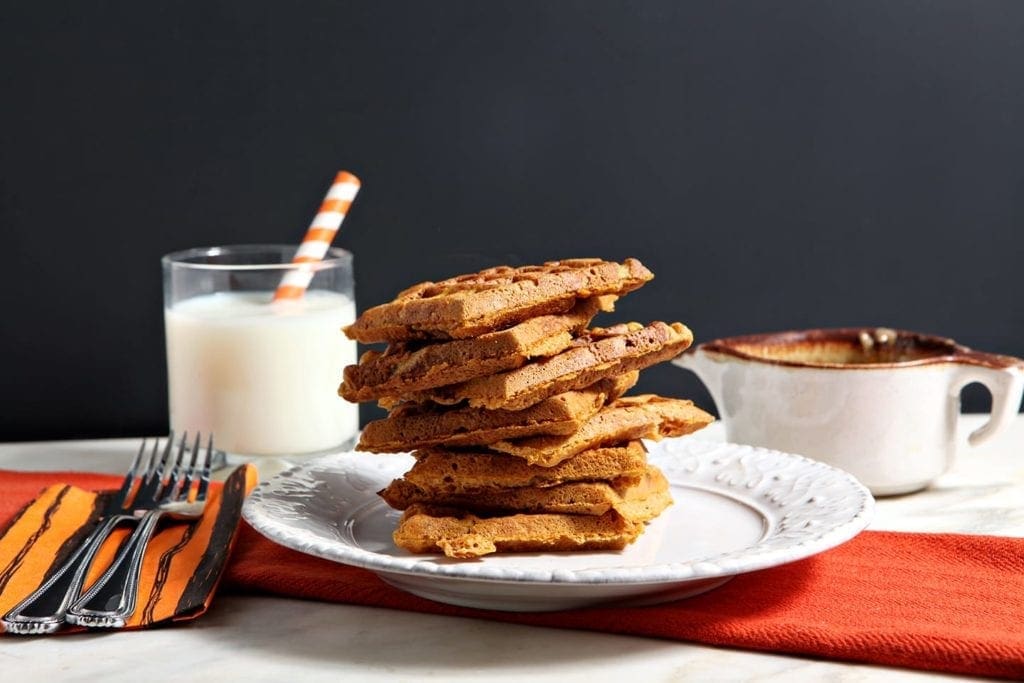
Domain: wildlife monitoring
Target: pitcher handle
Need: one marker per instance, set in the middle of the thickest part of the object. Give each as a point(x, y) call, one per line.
point(1004, 378)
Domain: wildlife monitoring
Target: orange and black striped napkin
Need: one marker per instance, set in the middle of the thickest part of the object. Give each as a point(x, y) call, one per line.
point(938, 602)
point(182, 565)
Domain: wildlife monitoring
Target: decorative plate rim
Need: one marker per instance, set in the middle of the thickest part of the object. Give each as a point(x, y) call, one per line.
point(815, 506)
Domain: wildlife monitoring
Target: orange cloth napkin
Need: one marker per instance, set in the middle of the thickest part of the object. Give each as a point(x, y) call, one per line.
point(42, 522)
point(940, 602)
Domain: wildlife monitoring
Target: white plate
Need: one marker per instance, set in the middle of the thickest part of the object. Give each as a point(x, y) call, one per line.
point(737, 509)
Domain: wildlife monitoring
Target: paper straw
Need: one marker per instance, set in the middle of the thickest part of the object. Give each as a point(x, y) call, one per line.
point(319, 236)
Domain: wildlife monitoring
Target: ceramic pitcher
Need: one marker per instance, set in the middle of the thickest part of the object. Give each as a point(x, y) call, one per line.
point(879, 403)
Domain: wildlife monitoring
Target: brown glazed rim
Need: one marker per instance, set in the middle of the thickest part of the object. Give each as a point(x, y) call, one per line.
point(948, 351)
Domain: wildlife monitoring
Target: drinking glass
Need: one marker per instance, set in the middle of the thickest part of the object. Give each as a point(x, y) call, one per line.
point(260, 375)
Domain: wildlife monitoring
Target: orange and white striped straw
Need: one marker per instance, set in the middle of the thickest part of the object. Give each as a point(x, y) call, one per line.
point(319, 235)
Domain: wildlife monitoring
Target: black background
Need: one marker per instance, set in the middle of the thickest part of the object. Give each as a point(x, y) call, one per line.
point(777, 164)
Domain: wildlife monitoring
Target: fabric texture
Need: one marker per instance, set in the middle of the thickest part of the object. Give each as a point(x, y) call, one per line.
point(180, 570)
point(941, 602)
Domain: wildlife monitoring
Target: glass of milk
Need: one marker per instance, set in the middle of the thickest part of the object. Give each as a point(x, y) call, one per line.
point(260, 375)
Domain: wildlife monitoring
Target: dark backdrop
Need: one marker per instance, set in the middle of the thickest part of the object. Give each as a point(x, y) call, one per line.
point(777, 164)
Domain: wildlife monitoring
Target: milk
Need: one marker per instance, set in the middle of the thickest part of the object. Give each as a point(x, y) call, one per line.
point(261, 376)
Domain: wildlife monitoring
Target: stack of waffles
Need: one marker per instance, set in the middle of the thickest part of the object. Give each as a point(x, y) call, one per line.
point(514, 409)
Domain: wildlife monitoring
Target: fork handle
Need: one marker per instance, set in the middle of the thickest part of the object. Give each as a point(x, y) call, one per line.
point(45, 609)
point(111, 600)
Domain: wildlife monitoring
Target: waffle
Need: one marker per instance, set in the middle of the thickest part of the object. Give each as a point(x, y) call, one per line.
point(638, 499)
point(412, 426)
point(471, 305)
point(449, 472)
point(411, 366)
point(514, 411)
point(460, 534)
point(631, 417)
point(601, 353)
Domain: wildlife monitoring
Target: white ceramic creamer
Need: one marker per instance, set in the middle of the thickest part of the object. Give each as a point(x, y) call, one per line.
point(881, 404)
point(261, 376)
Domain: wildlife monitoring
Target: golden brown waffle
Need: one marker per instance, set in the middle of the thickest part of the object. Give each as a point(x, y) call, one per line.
point(631, 417)
point(638, 499)
point(646, 501)
point(427, 529)
point(450, 472)
point(470, 305)
point(412, 426)
point(413, 366)
point(522, 440)
point(601, 353)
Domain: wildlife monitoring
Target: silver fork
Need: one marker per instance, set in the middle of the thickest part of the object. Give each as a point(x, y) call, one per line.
point(45, 609)
point(112, 599)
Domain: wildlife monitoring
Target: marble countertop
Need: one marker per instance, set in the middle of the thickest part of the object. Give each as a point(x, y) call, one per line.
point(262, 638)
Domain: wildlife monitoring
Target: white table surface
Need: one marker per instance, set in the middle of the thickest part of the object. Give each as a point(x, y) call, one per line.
point(257, 638)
